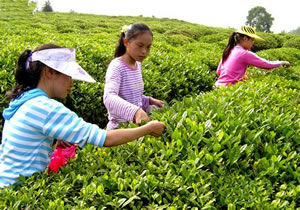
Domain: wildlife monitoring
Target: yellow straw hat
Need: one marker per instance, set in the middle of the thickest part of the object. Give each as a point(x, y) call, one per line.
point(249, 31)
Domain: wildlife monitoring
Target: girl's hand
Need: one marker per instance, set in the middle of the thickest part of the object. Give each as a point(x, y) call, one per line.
point(244, 78)
point(285, 63)
point(156, 128)
point(63, 144)
point(156, 102)
point(140, 115)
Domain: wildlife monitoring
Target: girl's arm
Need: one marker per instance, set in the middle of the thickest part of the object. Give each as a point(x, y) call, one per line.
point(115, 105)
point(140, 116)
point(156, 102)
point(145, 102)
point(62, 123)
point(252, 59)
point(148, 101)
point(122, 136)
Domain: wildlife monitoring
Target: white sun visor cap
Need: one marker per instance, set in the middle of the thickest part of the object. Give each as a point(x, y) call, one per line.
point(63, 61)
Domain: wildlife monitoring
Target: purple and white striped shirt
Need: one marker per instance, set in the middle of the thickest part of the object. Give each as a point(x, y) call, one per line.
point(123, 92)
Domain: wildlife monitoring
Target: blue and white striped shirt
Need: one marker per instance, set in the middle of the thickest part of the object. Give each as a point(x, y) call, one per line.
point(28, 135)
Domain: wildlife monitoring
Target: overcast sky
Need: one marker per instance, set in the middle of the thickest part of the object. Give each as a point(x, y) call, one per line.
point(222, 13)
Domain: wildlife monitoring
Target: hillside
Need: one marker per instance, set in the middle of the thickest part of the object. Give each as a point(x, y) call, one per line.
point(223, 148)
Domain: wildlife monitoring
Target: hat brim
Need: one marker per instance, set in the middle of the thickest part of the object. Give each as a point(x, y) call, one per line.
point(70, 68)
point(254, 36)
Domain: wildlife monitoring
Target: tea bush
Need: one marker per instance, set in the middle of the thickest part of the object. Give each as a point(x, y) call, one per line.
point(224, 148)
point(293, 42)
point(270, 41)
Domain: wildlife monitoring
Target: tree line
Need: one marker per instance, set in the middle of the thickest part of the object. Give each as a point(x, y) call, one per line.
point(258, 18)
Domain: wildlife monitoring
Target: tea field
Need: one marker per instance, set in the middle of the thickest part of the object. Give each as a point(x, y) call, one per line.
point(226, 148)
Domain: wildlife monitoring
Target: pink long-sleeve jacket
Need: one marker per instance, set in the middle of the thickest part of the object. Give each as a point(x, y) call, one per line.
point(235, 66)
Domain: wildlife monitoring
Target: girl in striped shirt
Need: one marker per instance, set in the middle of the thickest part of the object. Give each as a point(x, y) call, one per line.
point(33, 119)
point(124, 87)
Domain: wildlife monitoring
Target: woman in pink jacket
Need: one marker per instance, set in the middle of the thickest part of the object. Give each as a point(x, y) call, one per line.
point(236, 57)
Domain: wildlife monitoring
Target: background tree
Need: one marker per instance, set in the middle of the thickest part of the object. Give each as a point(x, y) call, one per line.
point(47, 7)
point(260, 19)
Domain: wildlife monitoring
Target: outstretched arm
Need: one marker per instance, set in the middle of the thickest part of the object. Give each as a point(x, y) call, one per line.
point(254, 60)
point(122, 136)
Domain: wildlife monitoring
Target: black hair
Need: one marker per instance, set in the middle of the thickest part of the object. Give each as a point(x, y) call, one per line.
point(234, 39)
point(28, 77)
point(133, 31)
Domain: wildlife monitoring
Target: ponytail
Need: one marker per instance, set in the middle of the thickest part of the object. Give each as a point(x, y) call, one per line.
point(234, 39)
point(131, 32)
point(120, 49)
point(27, 74)
point(230, 45)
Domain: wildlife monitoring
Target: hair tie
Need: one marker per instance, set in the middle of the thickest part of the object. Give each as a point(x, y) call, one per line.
point(235, 37)
point(29, 59)
point(124, 29)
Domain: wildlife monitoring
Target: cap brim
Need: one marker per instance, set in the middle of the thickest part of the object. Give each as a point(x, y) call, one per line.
point(254, 36)
point(71, 69)
point(258, 38)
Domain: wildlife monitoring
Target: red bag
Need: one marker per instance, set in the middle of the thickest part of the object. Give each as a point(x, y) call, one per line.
point(60, 156)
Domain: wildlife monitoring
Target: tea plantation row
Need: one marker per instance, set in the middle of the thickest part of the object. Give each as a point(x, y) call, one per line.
point(228, 148)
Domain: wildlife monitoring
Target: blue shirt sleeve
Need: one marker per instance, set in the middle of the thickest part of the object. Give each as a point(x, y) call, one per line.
point(62, 123)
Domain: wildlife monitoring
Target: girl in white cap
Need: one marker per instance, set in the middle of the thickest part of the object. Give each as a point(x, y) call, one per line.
point(236, 57)
point(124, 86)
point(33, 119)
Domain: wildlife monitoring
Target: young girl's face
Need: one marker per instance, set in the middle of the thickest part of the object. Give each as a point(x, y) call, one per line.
point(138, 49)
point(248, 43)
point(63, 85)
